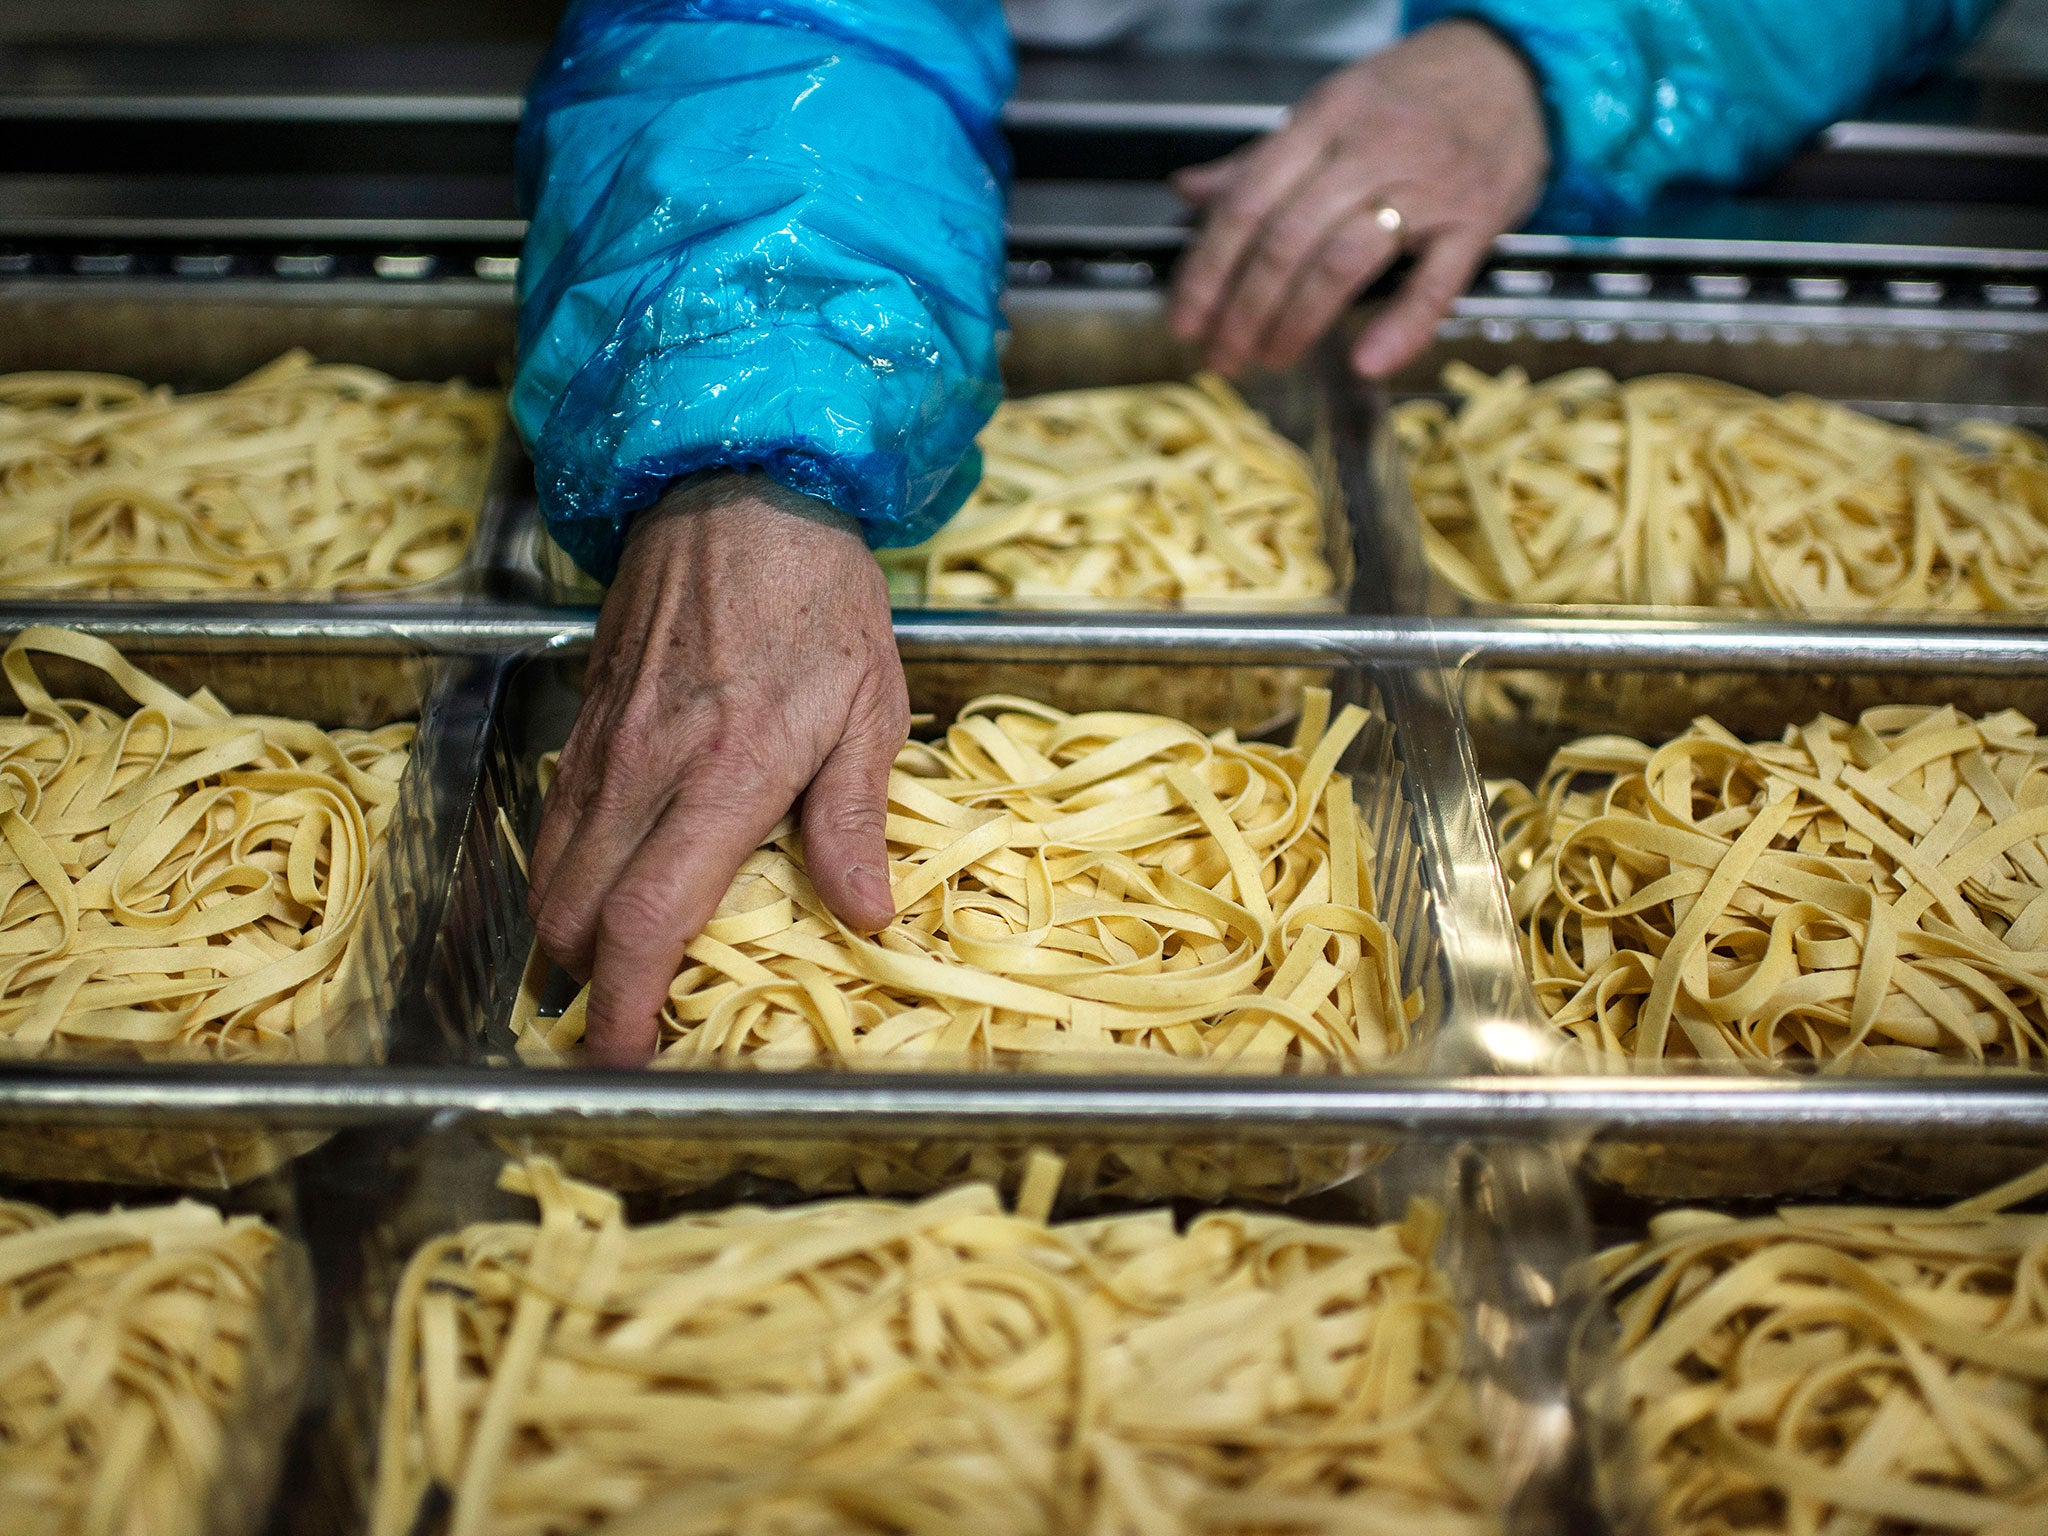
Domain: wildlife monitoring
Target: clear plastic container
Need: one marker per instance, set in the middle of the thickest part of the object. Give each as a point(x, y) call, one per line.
point(204, 340)
point(375, 991)
point(261, 1417)
point(1627, 1487)
point(1932, 376)
point(1516, 719)
point(486, 945)
point(1513, 1246)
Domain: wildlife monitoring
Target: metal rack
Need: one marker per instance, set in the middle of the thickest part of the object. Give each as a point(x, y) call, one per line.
point(86, 251)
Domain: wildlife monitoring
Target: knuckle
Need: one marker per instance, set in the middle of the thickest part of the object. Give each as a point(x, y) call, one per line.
point(558, 931)
point(637, 912)
point(848, 817)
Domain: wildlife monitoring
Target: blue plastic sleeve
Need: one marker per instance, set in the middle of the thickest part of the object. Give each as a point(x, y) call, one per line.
point(1641, 94)
point(762, 236)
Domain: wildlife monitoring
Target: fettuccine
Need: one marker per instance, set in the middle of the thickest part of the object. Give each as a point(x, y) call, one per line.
point(1673, 489)
point(1148, 494)
point(124, 1341)
point(867, 1367)
point(302, 477)
point(1106, 889)
point(1867, 895)
point(179, 881)
point(1840, 1369)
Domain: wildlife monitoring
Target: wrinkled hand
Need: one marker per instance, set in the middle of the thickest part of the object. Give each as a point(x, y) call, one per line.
point(1446, 128)
point(743, 654)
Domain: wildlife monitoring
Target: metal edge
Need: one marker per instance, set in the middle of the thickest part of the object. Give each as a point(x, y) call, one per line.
point(1646, 644)
point(863, 1106)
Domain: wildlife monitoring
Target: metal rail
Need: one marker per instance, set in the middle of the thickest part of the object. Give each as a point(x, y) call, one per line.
point(1648, 644)
point(1151, 1108)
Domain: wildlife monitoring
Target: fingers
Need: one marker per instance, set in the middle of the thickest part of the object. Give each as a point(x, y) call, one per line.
point(1200, 185)
point(1271, 171)
point(1284, 252)
point(1408, 324)
point(846, 808)
point(1356, 251)
point(663, 895)
point(590, 845)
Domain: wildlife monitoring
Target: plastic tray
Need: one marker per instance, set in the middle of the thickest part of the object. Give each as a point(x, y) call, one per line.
point(485, 946)
point(361, 685)
point(1513, 1242)
point(1950, 368)
point(1515, 719)
point(203, 341)
point(1621, 1485)
point(260, 1420)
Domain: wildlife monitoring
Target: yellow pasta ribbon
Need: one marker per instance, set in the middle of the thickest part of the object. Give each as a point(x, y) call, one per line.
point(859, 1366)
point(301, 477)
point(125, 1340)
point(1672, 489)
point(1870, 895)
point(1104, 889)
point(1146, 494)
point(1840, 1368)
point(183, 881)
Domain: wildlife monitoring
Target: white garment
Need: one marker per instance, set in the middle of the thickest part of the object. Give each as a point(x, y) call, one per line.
point(1311, 29)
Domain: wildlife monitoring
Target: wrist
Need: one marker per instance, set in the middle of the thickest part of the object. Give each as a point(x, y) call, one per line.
point(728, 492)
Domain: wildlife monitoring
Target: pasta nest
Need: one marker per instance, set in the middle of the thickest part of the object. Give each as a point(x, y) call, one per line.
point(1148, 494)
point(1839, 1370)
point(1872, 894)
point(856, 1366)
point(301, 477)
point(182, 881)
point(125, 1342)
point(1672, 489)
point(1100, 889)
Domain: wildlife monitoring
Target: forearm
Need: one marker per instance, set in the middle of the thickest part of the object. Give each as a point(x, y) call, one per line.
point(708, 286)
point(1640, 94)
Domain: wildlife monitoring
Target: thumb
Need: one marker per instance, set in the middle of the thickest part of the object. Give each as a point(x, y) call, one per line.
point(845, 810)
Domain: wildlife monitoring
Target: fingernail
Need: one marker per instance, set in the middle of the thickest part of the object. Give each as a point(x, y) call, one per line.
point(872, 887)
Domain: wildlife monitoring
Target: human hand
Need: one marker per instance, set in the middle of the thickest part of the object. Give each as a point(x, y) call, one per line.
point(1446, 128)
point(743, 654)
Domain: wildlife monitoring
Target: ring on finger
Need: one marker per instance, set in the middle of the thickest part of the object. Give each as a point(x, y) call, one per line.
point(1389, 219)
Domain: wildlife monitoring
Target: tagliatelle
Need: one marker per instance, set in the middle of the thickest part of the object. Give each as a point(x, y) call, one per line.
point(302, 477)
point(1145, 494)
point(1105, 889)
point(1867, 895)
point(1672, 489)
point(869, 1367)
point(124, 1343)
point(181, 881)
point(1840, 1369)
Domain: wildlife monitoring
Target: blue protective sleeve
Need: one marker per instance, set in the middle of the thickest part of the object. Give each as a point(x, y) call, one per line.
point(764, 234)
point(1643, 93)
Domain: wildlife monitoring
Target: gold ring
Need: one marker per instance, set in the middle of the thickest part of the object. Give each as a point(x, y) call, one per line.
point(1389, 219)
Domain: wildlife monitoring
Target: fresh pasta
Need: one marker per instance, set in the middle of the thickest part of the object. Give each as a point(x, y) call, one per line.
point(1870, 895)
point(1829, 1369)
point(858, 1366)
point(303, 476)
point(180, 881)
point(1672, 489)
point(1148, 494)
point(125, 1346)
point(1102, 888)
